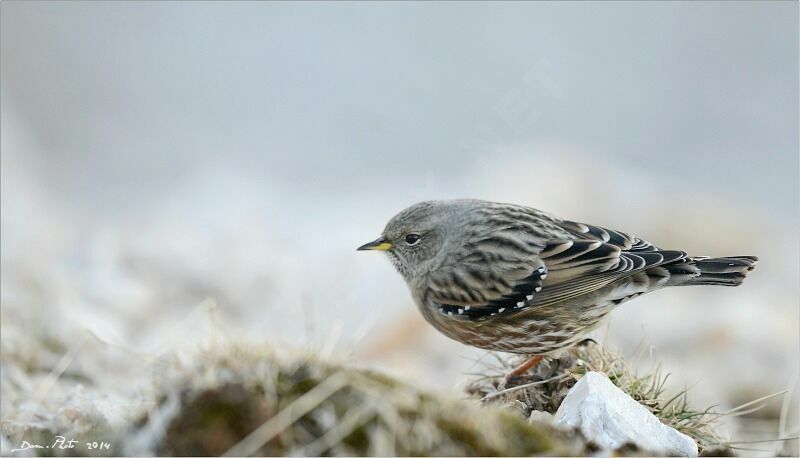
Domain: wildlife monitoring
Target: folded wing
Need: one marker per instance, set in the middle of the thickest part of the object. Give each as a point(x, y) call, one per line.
point(503, 275)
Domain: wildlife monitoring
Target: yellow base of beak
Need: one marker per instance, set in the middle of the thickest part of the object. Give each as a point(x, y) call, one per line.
point(377, 245)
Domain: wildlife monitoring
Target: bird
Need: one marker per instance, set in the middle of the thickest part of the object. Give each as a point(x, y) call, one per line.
point(511, 278)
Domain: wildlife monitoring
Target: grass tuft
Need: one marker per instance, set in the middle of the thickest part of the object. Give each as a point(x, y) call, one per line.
point(547, 384)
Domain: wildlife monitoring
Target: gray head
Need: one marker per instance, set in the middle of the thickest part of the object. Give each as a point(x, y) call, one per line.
point(413, 237)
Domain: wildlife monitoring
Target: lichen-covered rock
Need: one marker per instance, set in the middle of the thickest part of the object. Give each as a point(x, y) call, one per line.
point(610, 418)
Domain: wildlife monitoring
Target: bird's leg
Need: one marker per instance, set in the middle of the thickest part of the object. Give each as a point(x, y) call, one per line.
point(526, 366)
point(521, 369)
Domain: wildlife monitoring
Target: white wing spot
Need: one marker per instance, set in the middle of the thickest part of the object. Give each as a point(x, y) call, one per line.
point(544, 276)
point(529, 297)
point(537, 289)
point(501, 310)
point(467, 307)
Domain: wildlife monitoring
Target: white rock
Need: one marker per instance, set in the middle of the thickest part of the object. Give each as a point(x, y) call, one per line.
point(610, 418)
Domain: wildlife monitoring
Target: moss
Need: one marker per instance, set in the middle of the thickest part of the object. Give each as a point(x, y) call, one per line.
point(367, 413)
point(214, 420)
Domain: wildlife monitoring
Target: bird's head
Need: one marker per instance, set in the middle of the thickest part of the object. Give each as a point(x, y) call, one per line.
point(413, 237)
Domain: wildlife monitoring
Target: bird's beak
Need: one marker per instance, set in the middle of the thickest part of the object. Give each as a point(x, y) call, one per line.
point(380, 244)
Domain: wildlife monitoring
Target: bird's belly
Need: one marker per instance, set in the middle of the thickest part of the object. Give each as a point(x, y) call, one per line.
point(525, 332)
point(538, 330)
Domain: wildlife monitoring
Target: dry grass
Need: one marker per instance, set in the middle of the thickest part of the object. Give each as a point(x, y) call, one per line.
point(244, 401)
point(260, 400)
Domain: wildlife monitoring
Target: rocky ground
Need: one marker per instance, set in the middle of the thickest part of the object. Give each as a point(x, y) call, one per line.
point(243, 399)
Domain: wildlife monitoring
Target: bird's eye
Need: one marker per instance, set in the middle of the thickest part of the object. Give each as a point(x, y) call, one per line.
point(412, 239)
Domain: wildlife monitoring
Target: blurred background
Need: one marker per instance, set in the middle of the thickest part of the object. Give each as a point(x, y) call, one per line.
point(165, 162)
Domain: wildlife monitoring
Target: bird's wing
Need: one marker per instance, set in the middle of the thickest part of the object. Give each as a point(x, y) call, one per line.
point(596, 257)
point(580, 260)
point(585, 231)
point(578, 267)
point(460, 302)
point(493, 273)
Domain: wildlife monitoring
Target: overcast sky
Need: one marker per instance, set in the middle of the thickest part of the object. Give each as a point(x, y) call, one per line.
point(122, 100)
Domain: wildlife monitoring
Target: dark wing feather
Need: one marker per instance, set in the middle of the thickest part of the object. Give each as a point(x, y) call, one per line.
point(519, 298)
point(621, 239)
point(577, 267)
point(582, 259)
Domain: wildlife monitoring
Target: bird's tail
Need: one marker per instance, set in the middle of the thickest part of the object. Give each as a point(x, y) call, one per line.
point(701, 270)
